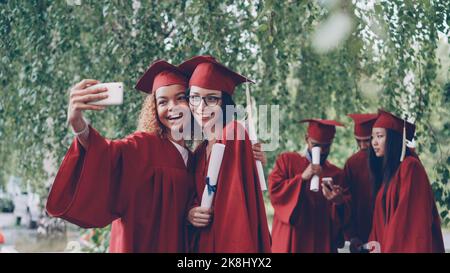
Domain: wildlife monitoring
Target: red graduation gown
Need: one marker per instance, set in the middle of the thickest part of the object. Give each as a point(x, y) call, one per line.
point(239, 223)
point(412, 220)
point(361, 187)
point(139, 182)
point(305, 221)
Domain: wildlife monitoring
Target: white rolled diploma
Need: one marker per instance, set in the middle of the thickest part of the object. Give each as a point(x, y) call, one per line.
point(259, 166)
point(254, 139)
point(315, 161)
point(262, 179)
point(215, 161)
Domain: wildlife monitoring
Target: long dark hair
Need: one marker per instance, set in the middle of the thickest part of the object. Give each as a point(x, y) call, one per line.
point(227, 100)
point(382, 169)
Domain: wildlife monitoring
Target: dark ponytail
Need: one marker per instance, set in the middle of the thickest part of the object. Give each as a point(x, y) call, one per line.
point(227, 100)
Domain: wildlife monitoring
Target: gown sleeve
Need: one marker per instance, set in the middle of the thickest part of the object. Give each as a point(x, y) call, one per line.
point(88, 189)
point(341, 214)
point(350, 228)
point(284, 190)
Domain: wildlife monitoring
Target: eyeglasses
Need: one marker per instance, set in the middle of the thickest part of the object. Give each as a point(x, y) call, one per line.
point(209, 100)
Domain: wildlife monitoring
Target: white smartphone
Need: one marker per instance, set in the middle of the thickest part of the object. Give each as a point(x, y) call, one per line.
point(328, 182)
point(115, 93)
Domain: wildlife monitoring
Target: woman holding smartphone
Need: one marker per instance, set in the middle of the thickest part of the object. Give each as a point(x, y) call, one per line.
point(141, 183)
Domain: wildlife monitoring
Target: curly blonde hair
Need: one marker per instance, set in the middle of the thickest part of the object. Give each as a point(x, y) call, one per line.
point(148, 118)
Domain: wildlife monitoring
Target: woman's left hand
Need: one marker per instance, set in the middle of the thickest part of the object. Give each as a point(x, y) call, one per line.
point(200, 217)
point(259, 154)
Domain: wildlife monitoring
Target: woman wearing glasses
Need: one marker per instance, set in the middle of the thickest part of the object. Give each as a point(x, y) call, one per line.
point(237, 221)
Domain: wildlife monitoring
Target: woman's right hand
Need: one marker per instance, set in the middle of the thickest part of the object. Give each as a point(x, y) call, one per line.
point(200, 217)
point(80, 95)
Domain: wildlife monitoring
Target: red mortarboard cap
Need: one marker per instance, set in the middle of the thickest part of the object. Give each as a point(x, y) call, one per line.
point(389, 121)
point(159, 74)
point(363, 124)
point(322, 130)
point(206, 72)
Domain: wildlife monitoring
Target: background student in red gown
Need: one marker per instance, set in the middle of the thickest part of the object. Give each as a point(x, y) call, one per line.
point(357, 178)
point(142, 182)
point(405, 216)
point(307, 221)
point(239, 222)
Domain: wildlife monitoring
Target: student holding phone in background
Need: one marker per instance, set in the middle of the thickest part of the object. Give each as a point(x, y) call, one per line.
point(305, 220)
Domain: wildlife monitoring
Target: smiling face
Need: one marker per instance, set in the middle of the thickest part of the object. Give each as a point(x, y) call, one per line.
point(379, 141)
point(206, 114)
point(172, 107)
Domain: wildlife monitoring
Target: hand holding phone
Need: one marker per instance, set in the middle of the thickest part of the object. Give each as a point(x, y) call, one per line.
point(114, 92)
point(328, 182)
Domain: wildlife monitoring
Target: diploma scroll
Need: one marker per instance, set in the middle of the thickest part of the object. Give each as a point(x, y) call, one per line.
point(316, 161)
point(215, 161)
point(254, 139)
